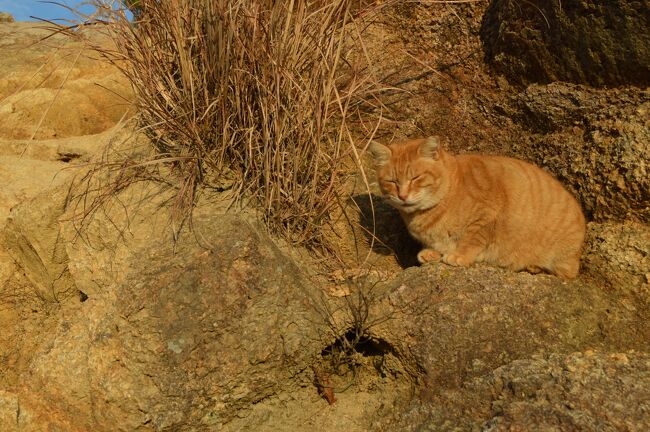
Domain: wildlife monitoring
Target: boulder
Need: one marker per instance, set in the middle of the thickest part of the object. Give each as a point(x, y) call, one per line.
point(455, 324)
point(596, 43)
point(594, 141)
point(205, 331)
point(581, 391)
point(493, 349)
point(588, 390)
point(194, 334)
point(32, 233)
point(201, 331)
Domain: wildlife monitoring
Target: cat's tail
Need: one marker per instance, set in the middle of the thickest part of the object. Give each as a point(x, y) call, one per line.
point(567, 268)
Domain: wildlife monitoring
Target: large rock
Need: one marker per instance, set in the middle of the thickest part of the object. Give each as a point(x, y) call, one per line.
point(459, 323)
point(464, 331)
point(494, 350)
point(597, 43)
point(191, 337)
point(590, 390)
point(595, 141)
point(581, 391)
point(202, 335)
point(31, 233)
point(217, 328)
point(167, 334)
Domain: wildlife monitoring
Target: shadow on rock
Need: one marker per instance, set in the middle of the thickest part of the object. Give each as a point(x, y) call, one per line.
point(391, 236)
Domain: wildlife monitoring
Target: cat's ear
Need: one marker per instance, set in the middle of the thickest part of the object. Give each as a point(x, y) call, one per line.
point(430, 147)
point(380, 153)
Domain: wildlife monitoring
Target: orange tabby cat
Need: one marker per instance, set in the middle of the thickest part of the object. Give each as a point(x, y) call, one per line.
point(475, 208)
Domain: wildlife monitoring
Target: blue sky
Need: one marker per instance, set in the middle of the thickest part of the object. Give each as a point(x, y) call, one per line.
point(23, 9)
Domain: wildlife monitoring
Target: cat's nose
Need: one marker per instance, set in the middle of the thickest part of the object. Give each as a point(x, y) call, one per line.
point(403, 194)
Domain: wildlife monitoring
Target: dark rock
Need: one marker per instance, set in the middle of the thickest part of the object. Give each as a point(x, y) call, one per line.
point(597, 43)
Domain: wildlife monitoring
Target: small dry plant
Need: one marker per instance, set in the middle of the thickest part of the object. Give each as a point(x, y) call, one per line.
point(253, 96)
point(350, 320)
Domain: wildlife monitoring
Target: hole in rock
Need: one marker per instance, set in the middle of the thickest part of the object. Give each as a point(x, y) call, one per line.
point(67, 157)
point(363, 345)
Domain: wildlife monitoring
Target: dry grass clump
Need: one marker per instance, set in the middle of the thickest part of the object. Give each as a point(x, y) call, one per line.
point(259, 92)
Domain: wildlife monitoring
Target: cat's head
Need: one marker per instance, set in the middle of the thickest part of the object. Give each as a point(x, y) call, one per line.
point(412, 174)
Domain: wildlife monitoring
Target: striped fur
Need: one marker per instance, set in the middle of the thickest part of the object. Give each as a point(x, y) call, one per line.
point(476, 208)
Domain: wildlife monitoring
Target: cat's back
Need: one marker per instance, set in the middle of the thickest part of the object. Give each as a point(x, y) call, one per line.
point(538, 220)
point(510, 179)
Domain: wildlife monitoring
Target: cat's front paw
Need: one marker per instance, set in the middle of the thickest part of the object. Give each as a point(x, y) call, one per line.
point(456, 260)
point(428, 255)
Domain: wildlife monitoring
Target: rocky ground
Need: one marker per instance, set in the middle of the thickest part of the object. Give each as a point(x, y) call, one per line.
point(120, 328)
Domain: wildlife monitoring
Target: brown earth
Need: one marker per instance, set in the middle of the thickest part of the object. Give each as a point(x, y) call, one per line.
point(228, 329)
